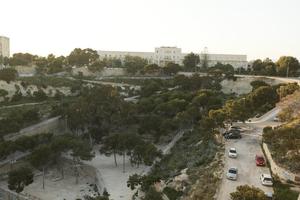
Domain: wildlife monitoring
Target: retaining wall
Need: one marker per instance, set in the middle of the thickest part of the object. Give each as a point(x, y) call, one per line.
point(282, 173)
point(53, 125)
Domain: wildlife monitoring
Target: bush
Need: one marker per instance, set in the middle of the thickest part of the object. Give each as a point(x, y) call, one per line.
point(8, 74)
point(172, 194)
point(39, 95)
point(17, 96)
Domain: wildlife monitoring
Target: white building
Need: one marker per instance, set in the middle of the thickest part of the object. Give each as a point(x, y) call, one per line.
point(4, 46)
point(163, 55)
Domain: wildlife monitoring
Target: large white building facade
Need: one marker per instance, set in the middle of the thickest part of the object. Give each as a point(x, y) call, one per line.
point(163, 55)
point(4, 46)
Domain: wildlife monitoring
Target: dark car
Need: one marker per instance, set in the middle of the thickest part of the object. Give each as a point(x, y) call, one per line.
point(260, 160)
point(233, 135)
point(235, 131)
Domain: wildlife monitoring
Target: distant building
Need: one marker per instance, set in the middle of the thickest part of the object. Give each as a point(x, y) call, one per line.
point(163, 55)
point(4, 46)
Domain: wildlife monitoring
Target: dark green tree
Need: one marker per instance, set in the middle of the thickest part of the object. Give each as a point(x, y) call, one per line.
point(191, 61)
point(19, 178)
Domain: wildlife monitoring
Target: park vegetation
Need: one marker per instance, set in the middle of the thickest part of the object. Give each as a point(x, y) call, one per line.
point(45, 150)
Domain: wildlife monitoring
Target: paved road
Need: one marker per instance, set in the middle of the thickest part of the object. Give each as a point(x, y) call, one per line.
point(247, 148)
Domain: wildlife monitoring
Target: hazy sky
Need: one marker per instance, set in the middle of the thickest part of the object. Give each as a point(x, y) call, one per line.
point(258, 28)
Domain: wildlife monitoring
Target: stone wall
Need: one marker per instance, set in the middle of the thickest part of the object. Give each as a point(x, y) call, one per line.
point(282, 173)
point(242, 84)
point(105, 72)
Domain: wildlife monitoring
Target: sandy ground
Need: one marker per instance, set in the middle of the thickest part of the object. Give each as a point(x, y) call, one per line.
point(113, 178)
point(66, 188)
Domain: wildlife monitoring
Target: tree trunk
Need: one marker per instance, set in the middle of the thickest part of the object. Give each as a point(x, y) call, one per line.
point(124, 162)
point(43, 178)
point(91, 140)
point(115, 158)
point(62, 172)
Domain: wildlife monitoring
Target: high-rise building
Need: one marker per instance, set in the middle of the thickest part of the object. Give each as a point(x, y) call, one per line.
point(4, 46)
point(163, 55)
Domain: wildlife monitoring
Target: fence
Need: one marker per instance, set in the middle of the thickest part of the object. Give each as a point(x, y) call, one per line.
point(279, 171)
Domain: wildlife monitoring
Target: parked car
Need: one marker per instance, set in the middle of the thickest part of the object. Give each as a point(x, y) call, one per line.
point(233, 135)
point(266, 179)
point(232, 153)
point(235, 128)
point(260, 160)
point(231, 131)
point(232, 173)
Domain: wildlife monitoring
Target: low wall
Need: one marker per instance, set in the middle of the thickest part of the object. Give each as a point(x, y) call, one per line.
point(105, 72)
point(6, 194)
point(282, 173)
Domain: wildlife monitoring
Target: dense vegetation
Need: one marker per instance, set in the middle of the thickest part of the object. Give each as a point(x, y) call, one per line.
point(18, 119)
point(45, 150)
point(285, 66)
point(245, 192)
point(284, 144)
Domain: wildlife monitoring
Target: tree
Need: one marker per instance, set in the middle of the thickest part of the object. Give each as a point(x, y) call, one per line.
point(287, 89)
point(81, 57)
point(151, 69)
point(152, 194)
point(41, 158)
point(218, 116)
point(31, 115)
point(134, 64)
point(257, 66)
point(245, 192)
point(97, 66)
point(110, 146)
point(288, 66)
point(24, 59)
point(257, 83)
point(264, 95)
point(18, 179)
point(8, 74)
point(191, 61)
point(39, 95)
point(171, 68)
point(80, 150)
point(3, 93)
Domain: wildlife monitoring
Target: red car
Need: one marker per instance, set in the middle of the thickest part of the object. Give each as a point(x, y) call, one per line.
point(260, 160)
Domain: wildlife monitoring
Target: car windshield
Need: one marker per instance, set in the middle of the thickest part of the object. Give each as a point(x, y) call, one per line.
point(268, 179)
point(232, 151)
point(232, 171)
point(260, 158)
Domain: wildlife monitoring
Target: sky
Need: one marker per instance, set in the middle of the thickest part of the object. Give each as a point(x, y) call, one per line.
point(257, 28)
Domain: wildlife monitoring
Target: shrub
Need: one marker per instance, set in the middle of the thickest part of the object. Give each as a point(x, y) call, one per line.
point(8, 74)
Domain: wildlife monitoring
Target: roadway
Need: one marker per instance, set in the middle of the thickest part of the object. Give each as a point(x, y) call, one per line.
point(247, 148)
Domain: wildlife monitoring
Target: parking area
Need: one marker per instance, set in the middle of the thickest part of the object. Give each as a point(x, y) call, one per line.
point(248, 173)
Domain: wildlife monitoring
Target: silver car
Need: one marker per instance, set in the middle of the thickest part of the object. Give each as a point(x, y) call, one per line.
point(232, 173)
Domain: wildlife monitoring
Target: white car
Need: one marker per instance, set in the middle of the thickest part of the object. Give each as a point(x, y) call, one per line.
point(232, 173)
point(232, 153)
point(266, 179)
